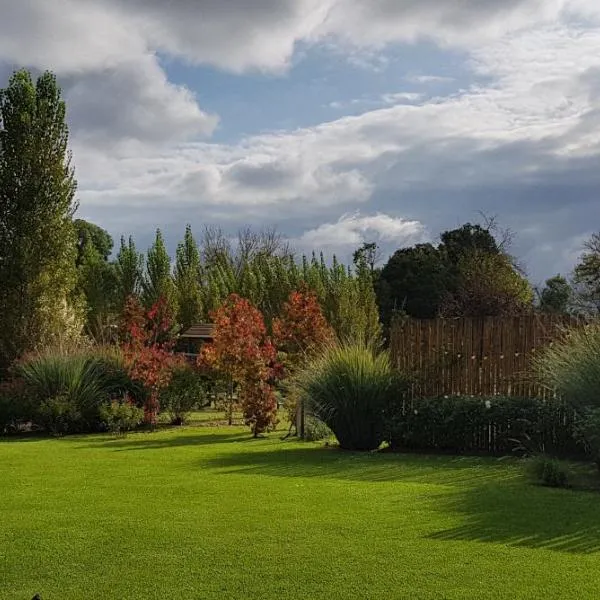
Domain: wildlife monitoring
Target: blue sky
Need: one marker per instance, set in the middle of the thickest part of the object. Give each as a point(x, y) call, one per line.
point(337, 121)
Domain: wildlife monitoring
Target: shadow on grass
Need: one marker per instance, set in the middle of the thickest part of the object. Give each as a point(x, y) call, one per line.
point(149, 441)
point(491, 498)
point(525, 516)
point(333, 463)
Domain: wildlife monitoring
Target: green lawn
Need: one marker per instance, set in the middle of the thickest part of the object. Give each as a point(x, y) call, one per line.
point(207, 513)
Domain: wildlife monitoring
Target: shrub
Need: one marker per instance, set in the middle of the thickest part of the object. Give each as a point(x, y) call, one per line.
point(587, 430)
point(15, 405)
point(549, 472)
point(121, 416)
point(495, 425)
point(59, 415)
point(347, 387)
point(315, 430)
point(571, 367)
point(184, 393)
point(74, 387)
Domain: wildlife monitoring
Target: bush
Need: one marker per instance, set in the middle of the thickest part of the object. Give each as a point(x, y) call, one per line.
point(587, 430)
point(185, 392)
point(315, 430)
point(549, 472)
point(15, 405)
point(74, 387)
point(121, 416)
point(59, 415)
point(347, 387)
point(495, 425)
point(571, 367)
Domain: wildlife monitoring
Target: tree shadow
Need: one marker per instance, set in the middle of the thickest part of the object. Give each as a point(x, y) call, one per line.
point(334, 463)
point(490, 497)
point(524, 516)
point(149, 441)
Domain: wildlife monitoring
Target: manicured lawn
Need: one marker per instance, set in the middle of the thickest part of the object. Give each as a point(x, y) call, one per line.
point(208, 513)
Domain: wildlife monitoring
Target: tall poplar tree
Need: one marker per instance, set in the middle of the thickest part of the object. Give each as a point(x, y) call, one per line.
point(129, 268)
point(37, 240)
point(187, 281)
point(158, 282)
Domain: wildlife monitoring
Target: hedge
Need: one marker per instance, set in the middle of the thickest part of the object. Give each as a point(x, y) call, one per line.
point(472, 425)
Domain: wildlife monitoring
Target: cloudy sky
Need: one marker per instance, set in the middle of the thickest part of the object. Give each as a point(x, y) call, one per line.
point(337, 121)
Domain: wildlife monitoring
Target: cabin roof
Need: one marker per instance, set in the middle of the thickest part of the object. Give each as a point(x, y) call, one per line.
point(202, 331)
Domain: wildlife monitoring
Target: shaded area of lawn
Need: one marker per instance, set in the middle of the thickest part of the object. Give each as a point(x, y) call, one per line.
point(495, 504)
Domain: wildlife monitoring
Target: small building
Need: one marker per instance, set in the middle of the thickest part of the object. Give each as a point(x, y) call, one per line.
point(191, 340)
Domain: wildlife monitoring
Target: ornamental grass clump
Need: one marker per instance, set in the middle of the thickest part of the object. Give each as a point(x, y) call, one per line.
point(347, 387)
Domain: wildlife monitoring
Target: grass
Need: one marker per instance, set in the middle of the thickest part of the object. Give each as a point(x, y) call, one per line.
point(207, 513)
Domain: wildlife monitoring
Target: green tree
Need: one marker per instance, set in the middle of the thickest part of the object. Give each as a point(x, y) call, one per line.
point(158, 282)
point(414, 280)
point(129, 272)
point(187, 281)
point(487, 285)
point(100, 239)
point(587, 276)
point(556, 296)
point(98, 282)
point(37, 240)
point(469, 238)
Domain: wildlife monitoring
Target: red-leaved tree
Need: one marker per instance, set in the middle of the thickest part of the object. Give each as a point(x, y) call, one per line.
point(148, 350)
point(299, 332)
point(242, 354)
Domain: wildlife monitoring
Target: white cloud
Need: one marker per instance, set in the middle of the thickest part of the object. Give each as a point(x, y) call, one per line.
point(351, 231)
point(401, 97)
point(424, 79)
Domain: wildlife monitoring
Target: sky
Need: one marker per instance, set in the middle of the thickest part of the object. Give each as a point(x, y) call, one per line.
point(336, 121)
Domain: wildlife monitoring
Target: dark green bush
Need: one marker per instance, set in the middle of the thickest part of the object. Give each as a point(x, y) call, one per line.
point(121, 416)
point(347, 387)
point(59, 415)
point(496, 425)
point(315, 430)
point(549, 472)
point(185, 392)
point(16, 407)
point(587, 430)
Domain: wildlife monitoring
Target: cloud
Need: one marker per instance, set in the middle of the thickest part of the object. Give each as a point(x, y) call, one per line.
point(134, 102)
point(351, 231)
point(425, 79)
point(401, 97)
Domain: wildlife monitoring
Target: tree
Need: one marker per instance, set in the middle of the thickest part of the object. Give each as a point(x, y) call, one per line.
point(129, 271)
point(456, 278)
point(487, 286)
point(414, 280)
point(158, 282)
point(469, 238)
point(555, 297)
point(147, 350)
point(187, 281)
point(298, 333)
point(369, 254)
point(587, 276)
point(244, 356)
point(98, 282)
point(88, 233)
point(37, 241)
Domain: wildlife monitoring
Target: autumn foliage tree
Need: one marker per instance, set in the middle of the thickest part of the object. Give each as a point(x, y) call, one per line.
point(245, 357)
point(147, 350)
point(299, 332)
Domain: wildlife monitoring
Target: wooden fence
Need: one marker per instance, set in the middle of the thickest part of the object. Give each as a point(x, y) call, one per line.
point(475, 356)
